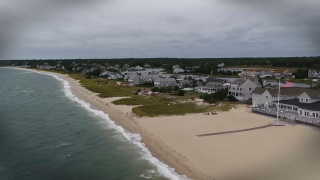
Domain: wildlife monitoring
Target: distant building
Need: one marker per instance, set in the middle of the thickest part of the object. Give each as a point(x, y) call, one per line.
point(313, 73)
point(111, 75)
point(126, 66)
point(220, 65)
point(175, 66)
point(77, 69)
point(147, 65)
point(137, 68)
point(46, 66)
point(178, 70)
point(211, 87)
point(165, 82)
point(135, 79)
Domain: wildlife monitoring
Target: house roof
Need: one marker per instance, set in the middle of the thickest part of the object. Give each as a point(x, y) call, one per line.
point(313, 94)
point(165, 80)
point(239, 82)
point(290, 91)
point(213, 84)
point(308, 106)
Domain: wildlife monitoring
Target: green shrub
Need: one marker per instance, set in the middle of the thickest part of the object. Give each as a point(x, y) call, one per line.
point(181, 93)
point(206, 97)
point(232, 98)
point(155, 89)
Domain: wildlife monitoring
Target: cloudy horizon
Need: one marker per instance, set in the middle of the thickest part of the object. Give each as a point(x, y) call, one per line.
point(74, 29)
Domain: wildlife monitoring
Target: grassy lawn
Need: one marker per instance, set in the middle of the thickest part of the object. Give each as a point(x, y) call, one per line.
point(268, 67)
point(306, 81)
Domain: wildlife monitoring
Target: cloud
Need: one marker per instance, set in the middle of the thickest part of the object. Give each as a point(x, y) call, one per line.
point(151, 28)
point(301, 17)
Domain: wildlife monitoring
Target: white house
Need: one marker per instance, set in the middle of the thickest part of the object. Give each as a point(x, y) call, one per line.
point(242, 88)
point(165, 82)
point(220, 65)
point(178, 70)
point(313, 73)
point(210, 87)
point(298, 104)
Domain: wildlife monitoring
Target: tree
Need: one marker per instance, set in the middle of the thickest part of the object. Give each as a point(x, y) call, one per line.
point(220, 95)
point(181, 93)
point(232, 98)
point(301, 73)
point(155, 89)
point(206, 97)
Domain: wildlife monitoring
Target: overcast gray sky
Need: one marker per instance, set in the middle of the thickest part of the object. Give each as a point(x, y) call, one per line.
point(158, 28)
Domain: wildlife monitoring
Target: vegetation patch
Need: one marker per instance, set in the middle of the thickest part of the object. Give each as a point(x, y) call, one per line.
point(167, 109)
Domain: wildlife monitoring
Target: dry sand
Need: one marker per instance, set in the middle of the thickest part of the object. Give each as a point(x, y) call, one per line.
point(273, 153)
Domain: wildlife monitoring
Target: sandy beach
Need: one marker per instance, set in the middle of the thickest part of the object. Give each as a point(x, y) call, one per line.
point(270, 153)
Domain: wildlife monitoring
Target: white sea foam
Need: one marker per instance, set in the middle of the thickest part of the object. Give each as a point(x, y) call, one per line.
point(64, 144)
point(162, 168)
point(24, 91)
point(22, 73)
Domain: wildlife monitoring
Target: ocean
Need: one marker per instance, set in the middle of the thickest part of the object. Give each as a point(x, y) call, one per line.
point(47, 133)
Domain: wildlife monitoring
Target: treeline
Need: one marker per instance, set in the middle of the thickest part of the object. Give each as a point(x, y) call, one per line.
point(207, 65)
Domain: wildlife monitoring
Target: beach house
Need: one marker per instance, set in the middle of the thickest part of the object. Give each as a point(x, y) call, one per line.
point(313, 73)
point(242, 88)
point(211, 87)
point(162, 82)
point(297, 104)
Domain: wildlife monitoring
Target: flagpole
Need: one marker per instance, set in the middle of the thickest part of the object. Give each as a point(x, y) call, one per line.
point(278, 103)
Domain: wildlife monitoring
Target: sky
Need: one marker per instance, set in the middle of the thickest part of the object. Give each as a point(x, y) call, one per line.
point(58, 29)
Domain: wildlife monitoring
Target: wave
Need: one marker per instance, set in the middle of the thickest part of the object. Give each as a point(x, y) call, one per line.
point(162, 168)
point(22, 73)
point(23, 91)
point(64, 144)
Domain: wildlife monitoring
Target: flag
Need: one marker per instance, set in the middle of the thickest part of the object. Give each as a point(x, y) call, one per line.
point(286, 84)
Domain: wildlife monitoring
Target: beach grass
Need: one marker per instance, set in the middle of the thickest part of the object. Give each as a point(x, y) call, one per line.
point(155, 110)
point(149, 106)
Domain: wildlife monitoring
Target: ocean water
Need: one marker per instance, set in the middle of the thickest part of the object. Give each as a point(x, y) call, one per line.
point(47, 133)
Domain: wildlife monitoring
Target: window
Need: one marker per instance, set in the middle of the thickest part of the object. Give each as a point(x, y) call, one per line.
point(300, 112)
point(249, 89)
point(238, 89)
point(307, 100)
point(266, 97)
point(301, 99)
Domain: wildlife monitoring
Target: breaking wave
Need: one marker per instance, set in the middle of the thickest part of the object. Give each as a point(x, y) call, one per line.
point(162, 168)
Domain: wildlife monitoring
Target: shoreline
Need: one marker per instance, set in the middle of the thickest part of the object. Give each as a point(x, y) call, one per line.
point(290, 152)
point(157, 147)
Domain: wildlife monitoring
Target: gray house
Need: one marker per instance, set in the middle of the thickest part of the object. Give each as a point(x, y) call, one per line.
point(165, 82)
point(313, 73)
point(297, 104)
point(211, 87)
point(135, 79)
point(242, 88)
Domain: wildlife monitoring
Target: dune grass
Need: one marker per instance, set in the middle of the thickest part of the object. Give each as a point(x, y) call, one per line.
point(155, 110)
point(150, 106)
